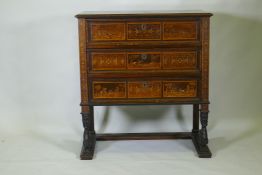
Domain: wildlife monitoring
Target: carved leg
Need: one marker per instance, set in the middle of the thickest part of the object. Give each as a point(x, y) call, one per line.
point(200, 139)
point(203, 131)
point(89, 137)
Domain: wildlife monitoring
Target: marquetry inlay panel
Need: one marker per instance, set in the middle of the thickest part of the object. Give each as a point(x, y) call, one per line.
point(179, 60)
point(180, 88)
point(144, 89)
point(144, 61)
point(109, 90)
point(108, 61)
point(107, 31)
point(144, 31)
point(180, 30)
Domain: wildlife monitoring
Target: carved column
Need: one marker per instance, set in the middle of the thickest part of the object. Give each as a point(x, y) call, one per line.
point(204, 121)
point(89, 137)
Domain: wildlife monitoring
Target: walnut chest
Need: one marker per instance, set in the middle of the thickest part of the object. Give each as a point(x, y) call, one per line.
point(144, 58)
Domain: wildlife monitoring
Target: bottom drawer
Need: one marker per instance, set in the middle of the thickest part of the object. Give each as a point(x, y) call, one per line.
point(133, 89)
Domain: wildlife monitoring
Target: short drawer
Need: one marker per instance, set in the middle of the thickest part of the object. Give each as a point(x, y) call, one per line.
point(144, 30)
point(127, 61)
point(143, 89)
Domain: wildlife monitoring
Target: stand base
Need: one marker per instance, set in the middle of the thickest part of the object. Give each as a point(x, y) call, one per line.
point(89, 147)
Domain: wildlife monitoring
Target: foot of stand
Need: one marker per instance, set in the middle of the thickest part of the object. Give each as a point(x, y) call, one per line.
point(88, 147)
point(202, 150)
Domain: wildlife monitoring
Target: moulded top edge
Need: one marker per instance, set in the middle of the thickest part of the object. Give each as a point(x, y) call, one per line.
point(137, 14)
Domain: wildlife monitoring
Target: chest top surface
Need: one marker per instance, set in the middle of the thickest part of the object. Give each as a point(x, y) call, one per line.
point(137, 14)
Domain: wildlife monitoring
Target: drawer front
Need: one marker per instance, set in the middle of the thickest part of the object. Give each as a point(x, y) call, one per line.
point(107, 31)
point(180, 30)
point(143, 31)
point(179, 60)
point(180, 88)
point(124, 61)
point(144, 89)
point(144, 60)
point(111, 89)
point(108, 61)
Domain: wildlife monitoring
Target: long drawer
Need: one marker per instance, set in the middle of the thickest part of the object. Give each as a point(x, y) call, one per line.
point(144, 31)
point(111, 61)
point(143, 89)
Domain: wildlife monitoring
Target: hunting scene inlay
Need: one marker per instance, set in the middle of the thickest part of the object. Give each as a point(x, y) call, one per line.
point(144, 89)
point(109, 90)
point(180, 88)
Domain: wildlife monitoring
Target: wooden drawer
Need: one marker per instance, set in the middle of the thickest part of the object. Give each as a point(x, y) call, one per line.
point(143, 89)
point(144, 60)
point(143, 30)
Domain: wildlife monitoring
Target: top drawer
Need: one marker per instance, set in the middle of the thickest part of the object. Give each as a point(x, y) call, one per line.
point(144, 30)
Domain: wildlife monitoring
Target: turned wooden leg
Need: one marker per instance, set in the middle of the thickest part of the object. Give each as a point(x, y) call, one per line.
point(200, 138)
point(203, 131)
point(89, 137)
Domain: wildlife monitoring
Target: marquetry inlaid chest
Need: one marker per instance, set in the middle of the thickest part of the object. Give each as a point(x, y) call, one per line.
point(144, 58)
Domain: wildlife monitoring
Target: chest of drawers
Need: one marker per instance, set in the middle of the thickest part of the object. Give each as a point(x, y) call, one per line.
point(140, 59)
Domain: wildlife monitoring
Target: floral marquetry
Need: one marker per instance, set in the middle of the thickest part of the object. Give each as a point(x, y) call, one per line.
point(108, 61)
point(180, 60)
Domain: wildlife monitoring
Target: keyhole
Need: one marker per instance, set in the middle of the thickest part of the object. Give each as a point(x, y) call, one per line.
point(144, 57)
point(145, 84)
point(143, 27)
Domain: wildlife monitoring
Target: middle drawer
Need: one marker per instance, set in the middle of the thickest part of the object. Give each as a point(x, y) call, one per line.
point(182, 59)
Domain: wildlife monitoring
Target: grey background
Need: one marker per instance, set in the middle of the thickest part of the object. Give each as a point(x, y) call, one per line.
point(40, 124)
